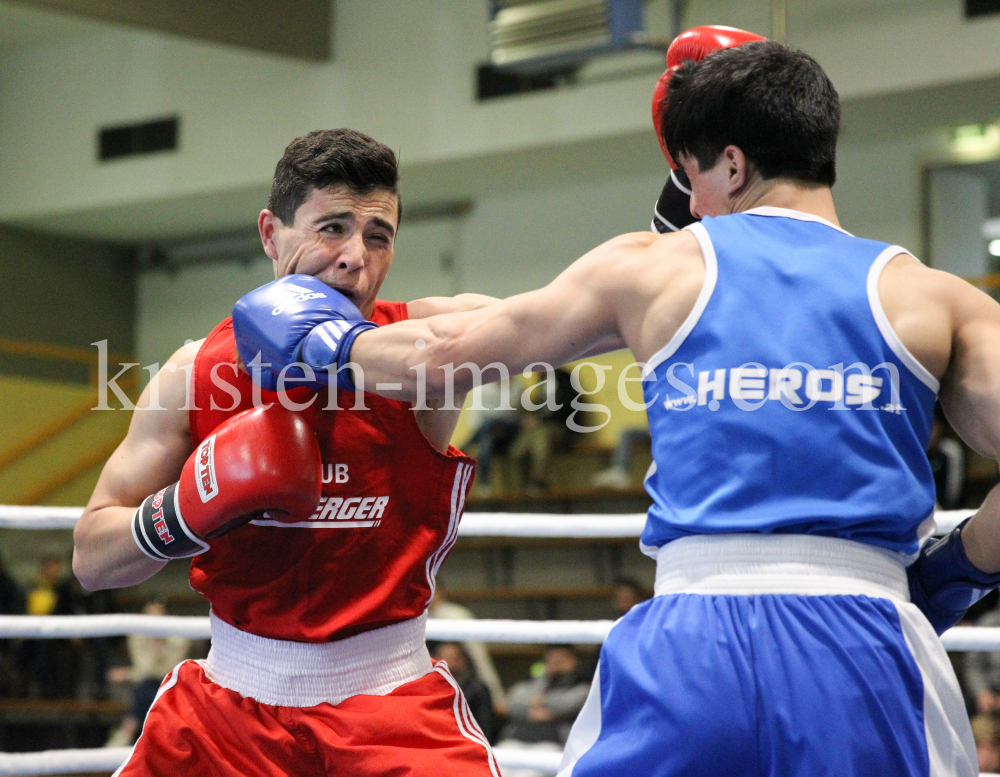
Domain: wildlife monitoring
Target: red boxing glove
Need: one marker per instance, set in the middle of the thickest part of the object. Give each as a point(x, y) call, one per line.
point(264, 459)
point(697, 43)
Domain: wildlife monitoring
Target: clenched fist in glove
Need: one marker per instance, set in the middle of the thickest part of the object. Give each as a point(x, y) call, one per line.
point(266, 459)
point(294, 322)
point(673, 211)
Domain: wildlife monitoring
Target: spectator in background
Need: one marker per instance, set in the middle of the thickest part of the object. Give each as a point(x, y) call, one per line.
point(618, 475)
point(476, 693)
point(627, 594)
point(152, 659)
point(982, 673)
point(440, 607)
point(947, 458)
point(89, 656)
point(495, 421)
point(50, 665)
point(986, 732)
point(543, 709)
point(543, 432)
point(11, 603)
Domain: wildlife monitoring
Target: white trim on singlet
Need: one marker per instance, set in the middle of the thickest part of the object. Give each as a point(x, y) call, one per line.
point(711, 276)
point(467, 725)
point(434, 561)
point(770, 210)
point(882, 321)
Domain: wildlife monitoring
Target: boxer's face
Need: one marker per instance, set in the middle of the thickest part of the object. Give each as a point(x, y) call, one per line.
point(342, 238)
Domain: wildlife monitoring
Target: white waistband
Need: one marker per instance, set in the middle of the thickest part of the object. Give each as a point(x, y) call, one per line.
point(778, 564)
point(304, 674)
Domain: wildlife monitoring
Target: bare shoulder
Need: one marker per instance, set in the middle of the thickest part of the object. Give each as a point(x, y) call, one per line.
point(626, 261)
point(928, 308)
point(162, 409)
point(654, 282)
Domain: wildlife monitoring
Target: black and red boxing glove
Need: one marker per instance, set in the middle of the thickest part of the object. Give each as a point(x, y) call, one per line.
point(673, 210)
point(262, 460)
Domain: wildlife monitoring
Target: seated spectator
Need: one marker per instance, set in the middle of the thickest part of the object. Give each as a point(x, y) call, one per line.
point(441, 607)
point(627, 594)
point(476, 693)
point(543, 432)
point(90, 656)
point(986, 732)
point(49, 665)
point(152, 659)
point(618, 475)
point(982, 673)
point(543, 709)
point(947, 459)
point(11, 603)
point(496, 421)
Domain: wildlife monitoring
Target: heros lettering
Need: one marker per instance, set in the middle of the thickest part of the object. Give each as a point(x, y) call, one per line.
point(367, 509)
point(797, 386)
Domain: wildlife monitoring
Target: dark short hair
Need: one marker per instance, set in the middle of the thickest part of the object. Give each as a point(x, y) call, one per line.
point(325, 158)
point(773, 102)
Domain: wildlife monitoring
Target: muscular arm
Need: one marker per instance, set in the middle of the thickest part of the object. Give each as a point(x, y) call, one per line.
point(953, 330)
point(970, 397)
point(616, 294)
point(437, 424)
point(150, 457)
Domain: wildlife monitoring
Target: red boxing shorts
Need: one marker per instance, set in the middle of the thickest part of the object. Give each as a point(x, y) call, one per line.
point(420, 727)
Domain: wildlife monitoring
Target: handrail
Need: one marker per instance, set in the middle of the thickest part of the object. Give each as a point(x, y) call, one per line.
point(991, 281)
point(66, 476)
point(73, 355)
point(44, 434)
point(65, 353)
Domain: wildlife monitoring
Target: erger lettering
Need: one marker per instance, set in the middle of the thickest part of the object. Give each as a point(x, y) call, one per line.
point(158, 498)
point(355, 510)
point(208, 486)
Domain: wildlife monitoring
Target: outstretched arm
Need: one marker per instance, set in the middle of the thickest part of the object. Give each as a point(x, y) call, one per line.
point(576, 314)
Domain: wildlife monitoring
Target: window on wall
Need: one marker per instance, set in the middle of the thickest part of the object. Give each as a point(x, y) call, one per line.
point(964, 222)
point(975, 8)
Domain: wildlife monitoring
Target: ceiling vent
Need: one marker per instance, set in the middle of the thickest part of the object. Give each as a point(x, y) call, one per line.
point(549, 35)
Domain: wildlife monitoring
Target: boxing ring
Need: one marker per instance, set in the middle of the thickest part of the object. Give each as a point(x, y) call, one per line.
point(533, 525)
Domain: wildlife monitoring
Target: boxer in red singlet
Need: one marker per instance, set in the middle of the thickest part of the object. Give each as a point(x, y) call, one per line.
point(316, 528)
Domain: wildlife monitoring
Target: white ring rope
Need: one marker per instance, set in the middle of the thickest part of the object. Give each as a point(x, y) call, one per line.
point(197, 627)
point(537, 525)
point(108, 759)
point(960, 638)
point(576, 526)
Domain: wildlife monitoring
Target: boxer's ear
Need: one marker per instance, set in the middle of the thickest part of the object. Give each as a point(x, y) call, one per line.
point(738, 169)
point(267, 225)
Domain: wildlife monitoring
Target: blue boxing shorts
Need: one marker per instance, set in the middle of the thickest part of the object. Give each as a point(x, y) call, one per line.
point(773, 656)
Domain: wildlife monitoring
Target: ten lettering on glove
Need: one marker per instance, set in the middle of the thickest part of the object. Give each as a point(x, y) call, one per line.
point(944, 583)
point(673, 209)
point(293, 321)
point(266, 459)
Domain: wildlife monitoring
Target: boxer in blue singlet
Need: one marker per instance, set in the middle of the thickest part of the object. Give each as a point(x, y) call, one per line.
point(790, 372)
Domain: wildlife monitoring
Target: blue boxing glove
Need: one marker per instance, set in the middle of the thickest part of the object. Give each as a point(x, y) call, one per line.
point(944, 583)
point(293, 321)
